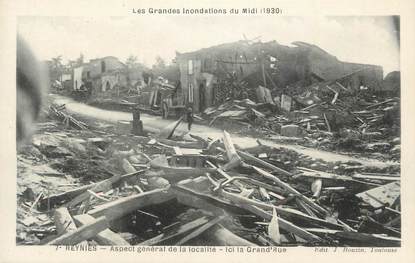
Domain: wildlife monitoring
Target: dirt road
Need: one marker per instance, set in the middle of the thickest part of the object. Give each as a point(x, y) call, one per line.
point(154, 123)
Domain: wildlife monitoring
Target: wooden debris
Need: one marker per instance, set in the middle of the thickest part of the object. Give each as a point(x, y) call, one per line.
point(223, 237)
point(233, 158)
point(290, 213)
point(385, 195)
point(102, 186)
point(264, 194)
point(104, 238)
point(273, 228)
point(66, 118)
point(127, 167)
point(316, 187)
point(284, 224)
point(182, 230)
point(291, 190)
point(199, 231)
point(63, 221)
point(85, 232)
point(116, 209)
point(250, 158)
point(168, 131)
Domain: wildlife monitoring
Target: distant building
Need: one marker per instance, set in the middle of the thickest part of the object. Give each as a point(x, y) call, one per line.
point(108, 75)
point(269, 64)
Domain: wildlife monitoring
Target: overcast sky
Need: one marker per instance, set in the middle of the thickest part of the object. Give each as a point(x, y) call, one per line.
point(369, 40)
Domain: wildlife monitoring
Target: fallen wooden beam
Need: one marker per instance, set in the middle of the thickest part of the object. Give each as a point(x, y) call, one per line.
point(290, 189)
point(380, 103)
point(58, 198)
point(181, 144)
point(103, 238)
point(127, 167)
point(376, 177)
point(290, 213)
point(221, 236)
point(63, 221)
point(168, 236)
point(284, 224)
point(248, 157)
point(199, 231)
point(259, 183)
point(168, 131)
point(327, 122)
point(118, 208)
point(179, 172)
point(83, 233)
point(102, 186)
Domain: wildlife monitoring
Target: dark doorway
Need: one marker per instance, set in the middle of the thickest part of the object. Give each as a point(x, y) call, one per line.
point(202, 93)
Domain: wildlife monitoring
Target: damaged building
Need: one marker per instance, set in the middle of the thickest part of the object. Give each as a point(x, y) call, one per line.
point(106, 75)
point(210, 75)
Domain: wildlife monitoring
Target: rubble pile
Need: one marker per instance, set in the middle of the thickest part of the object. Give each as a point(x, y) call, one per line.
point(187, 190)
point(328, 118)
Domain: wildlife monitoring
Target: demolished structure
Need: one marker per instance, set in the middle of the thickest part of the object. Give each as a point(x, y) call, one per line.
point(83, 181)
point(189, 190)
point(235, 70)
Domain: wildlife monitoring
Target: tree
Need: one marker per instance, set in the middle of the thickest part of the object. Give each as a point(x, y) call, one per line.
point(80, 60)
point(159, 67)
point(131, 62)
point(57, 63)
point(160, 63)
point(56, 67)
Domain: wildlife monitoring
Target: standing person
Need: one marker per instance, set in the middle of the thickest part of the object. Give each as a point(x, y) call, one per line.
point(189, 117)
point(137, 123)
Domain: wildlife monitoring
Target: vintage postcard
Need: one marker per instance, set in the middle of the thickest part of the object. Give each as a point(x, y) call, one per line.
point(159, 131)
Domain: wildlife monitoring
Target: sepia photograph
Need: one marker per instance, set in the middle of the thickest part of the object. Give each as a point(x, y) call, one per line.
point(184, 130)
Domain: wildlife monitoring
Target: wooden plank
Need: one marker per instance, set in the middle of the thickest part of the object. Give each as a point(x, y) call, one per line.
point(57, 198)
point(182, 229)
point(198, 200)
point(385, 195)
point(233, 158)
point(376, 177)
point(118, 208)
point(100, 187)
point(83, 233)
point(181, 144)
point(168, 131)
point(180, 172)
point(199, 231)
point(127, 167)
point(284, 224)
point(290, 189)
point(327, 122)
point(221, 236)
point(264, 194)
point(63, 221)
point(248, 157)
point(105, 237)
point(243, 201)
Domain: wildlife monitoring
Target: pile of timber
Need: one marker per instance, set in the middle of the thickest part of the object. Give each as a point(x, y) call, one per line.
point(300, 207)
point(58, 111)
